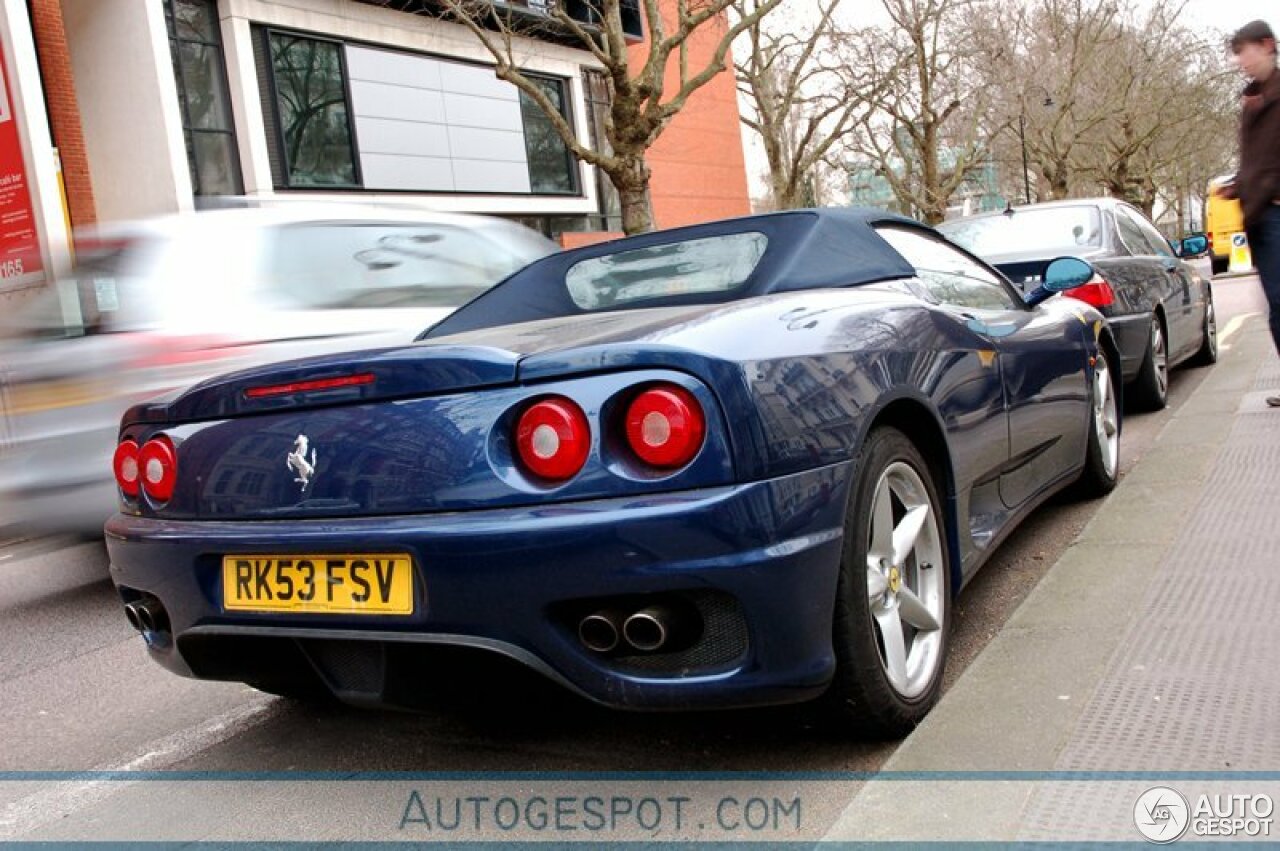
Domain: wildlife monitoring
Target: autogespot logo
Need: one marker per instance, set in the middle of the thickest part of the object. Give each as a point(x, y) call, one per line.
point(1162, 814)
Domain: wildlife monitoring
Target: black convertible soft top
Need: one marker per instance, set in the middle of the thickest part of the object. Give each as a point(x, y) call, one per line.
point(807, 249)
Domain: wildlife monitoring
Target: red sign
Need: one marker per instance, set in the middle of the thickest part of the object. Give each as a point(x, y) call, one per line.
point(20, 263)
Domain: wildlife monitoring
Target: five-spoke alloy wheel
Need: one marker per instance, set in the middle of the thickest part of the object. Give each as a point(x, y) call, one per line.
point(893, 602)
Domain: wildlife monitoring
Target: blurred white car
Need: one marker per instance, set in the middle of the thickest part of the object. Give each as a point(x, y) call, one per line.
point(160, 304)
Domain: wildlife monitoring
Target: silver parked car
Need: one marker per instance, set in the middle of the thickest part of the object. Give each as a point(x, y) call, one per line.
point(155, 306)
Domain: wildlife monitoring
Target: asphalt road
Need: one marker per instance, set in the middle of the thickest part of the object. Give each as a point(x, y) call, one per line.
point(77, 691)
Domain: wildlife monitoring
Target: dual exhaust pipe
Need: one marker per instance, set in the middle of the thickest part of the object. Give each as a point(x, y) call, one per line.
point(147, 615)
point(648, 630)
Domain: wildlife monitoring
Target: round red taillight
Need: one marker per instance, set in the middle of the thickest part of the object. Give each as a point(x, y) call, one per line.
point(158, 468)
point(665, 426)
point(553, 439)
point(125, 465)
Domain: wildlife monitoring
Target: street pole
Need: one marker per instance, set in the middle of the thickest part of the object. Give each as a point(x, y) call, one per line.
point(1026, 167)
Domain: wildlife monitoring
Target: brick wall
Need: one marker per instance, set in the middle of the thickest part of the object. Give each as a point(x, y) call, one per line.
point(578, 239)
point(699, 172)
point(64, 112)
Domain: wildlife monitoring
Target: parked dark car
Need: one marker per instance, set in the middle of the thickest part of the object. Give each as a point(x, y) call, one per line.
point(739, 463)
point(1160, 307)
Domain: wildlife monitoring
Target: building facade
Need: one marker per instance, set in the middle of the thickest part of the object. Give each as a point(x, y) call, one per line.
point(132, 108)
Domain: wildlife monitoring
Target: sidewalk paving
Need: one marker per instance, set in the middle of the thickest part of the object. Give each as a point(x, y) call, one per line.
point(1153, 645)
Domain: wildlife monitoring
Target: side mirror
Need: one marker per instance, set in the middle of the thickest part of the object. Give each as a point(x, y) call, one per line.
point(1065, 273)
point(1194, 246)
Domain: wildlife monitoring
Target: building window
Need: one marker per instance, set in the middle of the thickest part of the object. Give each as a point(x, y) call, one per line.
point(200, 72)
point(346, 116)
point(552, 168)
point(314, 124)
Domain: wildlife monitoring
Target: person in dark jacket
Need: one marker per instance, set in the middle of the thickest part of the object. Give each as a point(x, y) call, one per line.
point(1257, 183)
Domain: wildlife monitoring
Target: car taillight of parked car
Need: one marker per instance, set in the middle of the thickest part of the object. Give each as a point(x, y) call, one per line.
point(159, 465)
point(1096, 292)
point(665, 426)
point(153, 468)
point(662, 428)
point(553, 439)
point(125, 465)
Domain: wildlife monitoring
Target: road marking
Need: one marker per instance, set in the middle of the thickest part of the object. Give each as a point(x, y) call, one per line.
point(26, 815)
point(1236, 323)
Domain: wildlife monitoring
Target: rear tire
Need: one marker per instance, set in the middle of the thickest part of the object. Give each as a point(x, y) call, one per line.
point(1150, 389)
point(1208, 353)
point(1220, 265)
point(893, 599)
point(1102, 457)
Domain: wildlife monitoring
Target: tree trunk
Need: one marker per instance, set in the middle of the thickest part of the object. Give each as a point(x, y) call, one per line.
point(787, 195)
point(1057, 177)
point(934, 208)
point(632, 183)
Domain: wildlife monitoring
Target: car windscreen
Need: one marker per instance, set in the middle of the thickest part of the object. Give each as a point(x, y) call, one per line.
point(361, 265)
point(1058, 230)
point(714, 264)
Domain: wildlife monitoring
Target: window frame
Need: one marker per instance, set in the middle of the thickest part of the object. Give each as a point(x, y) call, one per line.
point(262, 34)
point(1018, 302)
point(180, 78)
point(1122, 221)
point(571, 159)
point(1149, 231)
point(285, 180)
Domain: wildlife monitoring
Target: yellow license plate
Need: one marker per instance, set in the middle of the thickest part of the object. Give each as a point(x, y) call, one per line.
point(380, 584)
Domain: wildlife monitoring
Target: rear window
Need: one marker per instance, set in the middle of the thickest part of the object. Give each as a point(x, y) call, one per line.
point(1061, 229)
point(713, 264)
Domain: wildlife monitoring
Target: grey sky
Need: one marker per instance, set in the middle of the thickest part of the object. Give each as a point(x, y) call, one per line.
point(1227, 15)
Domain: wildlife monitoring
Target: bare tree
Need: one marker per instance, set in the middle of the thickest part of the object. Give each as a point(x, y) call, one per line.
point(1167, 106)
point(801, 99)
point(1106, 96)
point(928, 129)
point(1054, 89)
point(644, 96)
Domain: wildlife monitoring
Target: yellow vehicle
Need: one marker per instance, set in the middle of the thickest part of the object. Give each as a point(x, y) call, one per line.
point(1222, 219)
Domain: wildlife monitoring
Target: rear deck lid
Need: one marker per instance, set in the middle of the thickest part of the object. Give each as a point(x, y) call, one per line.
point(340, 379)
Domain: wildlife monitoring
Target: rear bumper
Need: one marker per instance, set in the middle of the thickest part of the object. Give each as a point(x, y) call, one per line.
point(516, 581)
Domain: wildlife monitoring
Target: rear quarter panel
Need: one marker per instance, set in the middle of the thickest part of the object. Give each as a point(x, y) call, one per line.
point(803, 377)
point(808, 371)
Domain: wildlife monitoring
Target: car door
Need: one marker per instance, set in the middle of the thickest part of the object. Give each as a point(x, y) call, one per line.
point(1187, 305)
point(1041, 359)
point(1163, 273)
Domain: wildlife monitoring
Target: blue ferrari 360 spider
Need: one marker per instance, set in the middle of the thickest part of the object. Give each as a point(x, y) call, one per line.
point(745, 462)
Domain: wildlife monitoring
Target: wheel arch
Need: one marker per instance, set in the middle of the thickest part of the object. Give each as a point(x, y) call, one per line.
point(1107, 342)
point(1158, 313)
point(920, 423)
